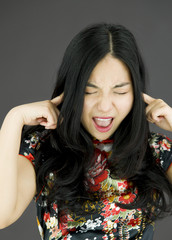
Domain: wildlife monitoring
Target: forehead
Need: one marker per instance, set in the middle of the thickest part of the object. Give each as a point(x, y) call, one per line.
point(110, 70)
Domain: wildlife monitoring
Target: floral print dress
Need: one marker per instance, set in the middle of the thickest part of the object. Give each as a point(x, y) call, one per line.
point(107, 220)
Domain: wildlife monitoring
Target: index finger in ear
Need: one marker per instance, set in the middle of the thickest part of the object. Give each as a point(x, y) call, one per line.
point(147, 99)
point(57, 100)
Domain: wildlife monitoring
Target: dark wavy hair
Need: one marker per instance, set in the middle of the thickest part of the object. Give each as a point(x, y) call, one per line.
point(69, 149)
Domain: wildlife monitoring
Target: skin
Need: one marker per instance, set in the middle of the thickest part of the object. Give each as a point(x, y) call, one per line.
point(104, 101)
point(158, 112)
point(109, 93)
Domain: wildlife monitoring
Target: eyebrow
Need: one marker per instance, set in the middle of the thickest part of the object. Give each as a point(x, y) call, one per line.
point(116, 86)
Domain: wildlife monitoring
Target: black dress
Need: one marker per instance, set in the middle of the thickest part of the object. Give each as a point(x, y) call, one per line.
point(107, 220)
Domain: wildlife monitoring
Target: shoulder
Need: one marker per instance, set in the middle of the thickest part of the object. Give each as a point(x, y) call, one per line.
point(160, 142)
point(37, 136)
point(161, 146)
point(31, 143)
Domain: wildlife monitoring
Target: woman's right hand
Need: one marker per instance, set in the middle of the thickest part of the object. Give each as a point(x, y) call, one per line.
point(44, 113)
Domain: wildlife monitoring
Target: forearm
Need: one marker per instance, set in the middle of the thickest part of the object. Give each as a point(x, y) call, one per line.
point(10, 137)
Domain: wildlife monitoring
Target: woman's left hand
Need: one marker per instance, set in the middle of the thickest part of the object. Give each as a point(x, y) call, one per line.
point(158, 112)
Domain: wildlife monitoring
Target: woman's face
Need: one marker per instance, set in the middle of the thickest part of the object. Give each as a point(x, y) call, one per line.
point(108, 98)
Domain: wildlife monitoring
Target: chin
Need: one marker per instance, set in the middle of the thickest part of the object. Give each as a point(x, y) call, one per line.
point(102, 137)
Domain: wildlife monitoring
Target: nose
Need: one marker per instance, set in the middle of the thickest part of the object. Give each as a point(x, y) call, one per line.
point(105, 104)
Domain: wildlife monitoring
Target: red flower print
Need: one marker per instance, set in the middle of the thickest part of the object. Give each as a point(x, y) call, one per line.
point(169, 139)
point(123, 184)
point(65, 238)
point(55, 207)
point(127, 197)
point(95, 186)
point(46, 216)
point(111, 209)
point(135, 191)
point(106, 210)
point(101, 177)
point(105, 201)
point(97, 173)
point(63, 224)
point(165, 145)
point(63, 228)
point(134, 222)
point(116, 210)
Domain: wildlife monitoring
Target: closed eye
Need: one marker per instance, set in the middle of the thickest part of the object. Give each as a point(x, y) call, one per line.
point(90, 93)
point(121, 93)
point(114, 92)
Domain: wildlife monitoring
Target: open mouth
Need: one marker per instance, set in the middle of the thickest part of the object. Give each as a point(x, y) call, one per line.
point(103, 124)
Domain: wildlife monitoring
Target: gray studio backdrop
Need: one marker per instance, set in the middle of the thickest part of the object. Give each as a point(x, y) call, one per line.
point(34, 35)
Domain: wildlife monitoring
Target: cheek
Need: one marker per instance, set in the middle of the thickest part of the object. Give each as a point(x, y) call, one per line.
point(85, 112)
point(130, 103)
point(87, 107)
point(125, 104)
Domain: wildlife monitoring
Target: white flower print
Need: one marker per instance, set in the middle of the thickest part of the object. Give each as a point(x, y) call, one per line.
point(51, 223)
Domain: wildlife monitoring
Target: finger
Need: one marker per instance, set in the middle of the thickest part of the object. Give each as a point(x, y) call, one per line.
point(53, 117)
point(57, 100)
point(50, 118)
point(48, 124)
point(147, 99)
point(156, 115)
point(156, 104)
point(41, 119)
point(51, 127)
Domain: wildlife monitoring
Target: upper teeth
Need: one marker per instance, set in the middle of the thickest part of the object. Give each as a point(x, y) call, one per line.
point(103, 119)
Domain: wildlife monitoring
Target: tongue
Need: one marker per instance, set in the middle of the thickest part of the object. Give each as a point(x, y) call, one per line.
point(102, 123)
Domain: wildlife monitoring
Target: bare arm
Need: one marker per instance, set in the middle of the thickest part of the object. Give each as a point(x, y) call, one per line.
point(159, 113)
point(17, 175)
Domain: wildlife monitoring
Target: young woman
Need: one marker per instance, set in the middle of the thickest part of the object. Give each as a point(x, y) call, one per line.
point(87, 156)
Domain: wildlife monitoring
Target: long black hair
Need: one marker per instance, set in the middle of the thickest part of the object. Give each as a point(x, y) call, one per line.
point(69, 149)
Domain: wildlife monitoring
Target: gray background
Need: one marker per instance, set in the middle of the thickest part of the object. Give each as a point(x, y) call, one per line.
point(34, 35)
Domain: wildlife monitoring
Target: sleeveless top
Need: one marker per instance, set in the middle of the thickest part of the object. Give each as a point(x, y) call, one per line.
point(106, 220)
